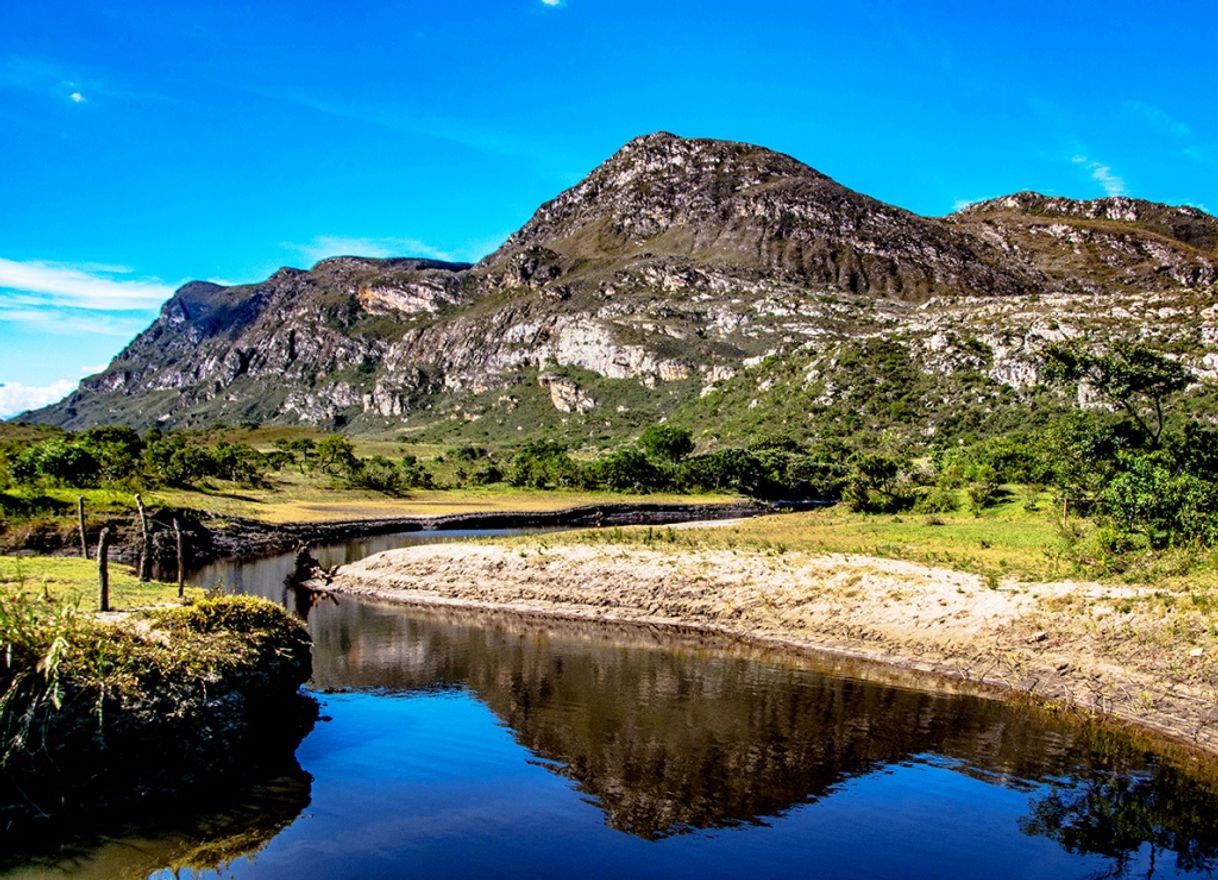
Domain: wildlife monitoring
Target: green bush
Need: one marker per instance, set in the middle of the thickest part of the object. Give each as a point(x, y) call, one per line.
point(878, 483)
point(627, 470)
point(543, 465)
point(666, 444)
point(937, 499)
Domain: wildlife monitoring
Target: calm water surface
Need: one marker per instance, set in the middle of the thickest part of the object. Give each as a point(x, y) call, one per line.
point(472, 745)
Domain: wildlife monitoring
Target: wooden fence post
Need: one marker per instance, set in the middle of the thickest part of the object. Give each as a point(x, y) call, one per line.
point(103, 570)
point(177, 536)
point(145, 541)
point(80, 521)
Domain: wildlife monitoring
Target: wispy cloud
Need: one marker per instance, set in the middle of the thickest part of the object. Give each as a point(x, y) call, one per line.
point(551, 2)
point(1158, 118)
point(1112, 183)
point(323, 246)
point(68, 322)
point(72, 82)
point(81, 286)
point(17, 398)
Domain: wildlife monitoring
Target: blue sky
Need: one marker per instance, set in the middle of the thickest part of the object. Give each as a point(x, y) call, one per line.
point(146, 144)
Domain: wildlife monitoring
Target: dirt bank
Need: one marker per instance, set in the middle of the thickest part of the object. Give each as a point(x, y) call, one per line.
point(247, 538)
point(1102, 648)
point(138, 709)
point(207, 537)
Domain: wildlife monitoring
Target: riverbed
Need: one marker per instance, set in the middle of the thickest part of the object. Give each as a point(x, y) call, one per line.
point(467, 743)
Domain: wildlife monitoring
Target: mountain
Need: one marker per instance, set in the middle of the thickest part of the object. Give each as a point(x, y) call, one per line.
point(717, 283)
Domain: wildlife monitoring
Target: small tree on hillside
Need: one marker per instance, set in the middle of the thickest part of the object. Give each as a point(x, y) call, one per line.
point(664, 443)
point(1132, 376)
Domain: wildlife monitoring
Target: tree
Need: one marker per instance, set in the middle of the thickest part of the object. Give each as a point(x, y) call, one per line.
point(336, 454)
point(1132, 376)
point(57, 461)
point(1149, 495)
point(737, 470)
point(541, 465)
point(170, 460)
point(117, 449)
point(664, 443)
point(238, 462)
point(301, 451)
point(627, 470)
point(876, 484)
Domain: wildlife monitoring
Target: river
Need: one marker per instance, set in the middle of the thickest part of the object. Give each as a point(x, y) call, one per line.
point(468, 744)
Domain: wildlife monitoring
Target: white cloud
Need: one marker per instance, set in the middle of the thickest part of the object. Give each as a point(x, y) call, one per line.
point(1113, 184)
point(85, 286)
point(324, 246)
point(1158, 117)
point(17, 398)
point(77, 98)
point(69, 322)
point(552, 2)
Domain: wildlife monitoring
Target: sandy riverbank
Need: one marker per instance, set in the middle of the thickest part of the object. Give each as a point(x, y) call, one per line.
point(1092, 646)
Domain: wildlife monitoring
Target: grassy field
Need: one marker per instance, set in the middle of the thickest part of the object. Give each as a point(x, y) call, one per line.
point(1005, 541)
point(59, 580)
point(293, 497)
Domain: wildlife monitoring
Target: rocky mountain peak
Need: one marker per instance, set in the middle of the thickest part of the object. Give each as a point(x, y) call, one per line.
point(650, 185)
point(1181, 223)
point(746, 210)
point(676, 265)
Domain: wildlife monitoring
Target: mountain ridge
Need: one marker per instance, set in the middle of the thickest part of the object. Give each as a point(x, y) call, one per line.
point(675, 267)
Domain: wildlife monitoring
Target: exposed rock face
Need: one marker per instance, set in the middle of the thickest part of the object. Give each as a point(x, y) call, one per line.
point(1101, 244)
point(738, 206)
point(674, 265)
point(566, 395)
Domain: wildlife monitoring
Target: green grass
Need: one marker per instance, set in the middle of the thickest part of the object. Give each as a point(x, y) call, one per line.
point(58, 579)
point(302, 499)
point(82, 698)
point(1005, 541)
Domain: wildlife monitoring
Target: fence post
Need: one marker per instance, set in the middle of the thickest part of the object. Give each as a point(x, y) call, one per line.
point(177, 536)
point(80, 521)
point(145, 541)
point(103, 570)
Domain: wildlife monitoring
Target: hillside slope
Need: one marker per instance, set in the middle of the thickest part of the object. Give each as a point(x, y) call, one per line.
point(710, 281)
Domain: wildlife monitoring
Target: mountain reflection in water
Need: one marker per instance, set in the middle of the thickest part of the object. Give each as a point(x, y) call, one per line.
point(670, 734)
point(467, 744)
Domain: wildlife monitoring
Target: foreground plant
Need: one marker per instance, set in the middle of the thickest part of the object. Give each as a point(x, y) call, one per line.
point(84, 702)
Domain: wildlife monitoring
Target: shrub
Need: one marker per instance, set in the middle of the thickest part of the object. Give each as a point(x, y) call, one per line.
point(878, 484)
point(938, 499)
point(664, 443)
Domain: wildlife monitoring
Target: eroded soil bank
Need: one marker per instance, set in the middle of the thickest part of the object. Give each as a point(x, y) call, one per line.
point(248, 538)
point(138, 708)
point(1099, 648)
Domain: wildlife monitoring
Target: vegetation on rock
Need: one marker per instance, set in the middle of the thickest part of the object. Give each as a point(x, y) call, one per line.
point(213, 684)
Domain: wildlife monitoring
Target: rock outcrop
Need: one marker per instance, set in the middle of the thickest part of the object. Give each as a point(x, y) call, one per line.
point(675, 265)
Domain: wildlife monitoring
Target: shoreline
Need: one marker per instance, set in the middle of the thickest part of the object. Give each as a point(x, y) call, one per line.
point(1045, 642)
point(123, 684)
point(247, 538)
point(209, 537)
